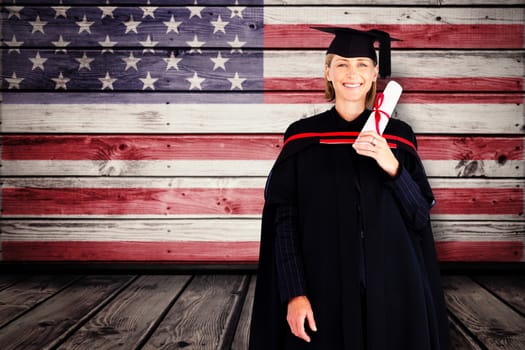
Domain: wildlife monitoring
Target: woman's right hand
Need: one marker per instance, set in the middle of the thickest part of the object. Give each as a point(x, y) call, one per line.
point(299, 311)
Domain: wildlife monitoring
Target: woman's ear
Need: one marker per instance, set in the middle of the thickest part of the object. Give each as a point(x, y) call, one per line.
point(327, 73)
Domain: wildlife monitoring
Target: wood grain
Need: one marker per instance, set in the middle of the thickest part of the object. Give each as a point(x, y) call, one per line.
point(203, 316)
point(484, 315)
point(49, 321)
point(242, 332)
point(127, 321)
point(509, 288)
point(461, 340)
point(26, 294)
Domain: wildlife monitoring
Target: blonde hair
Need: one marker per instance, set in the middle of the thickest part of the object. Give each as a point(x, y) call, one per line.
point(329, 92)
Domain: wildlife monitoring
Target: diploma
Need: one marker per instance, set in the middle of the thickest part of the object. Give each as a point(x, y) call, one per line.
point(383, 108)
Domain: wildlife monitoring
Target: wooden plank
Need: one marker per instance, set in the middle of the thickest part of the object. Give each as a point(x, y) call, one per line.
point(480, 168)
point(460, 338)
point(218, 202)
point(8, 280)
point(242, 332)
point(483, 314)
point(26, 294)
point(126, 321)
point(60, 315)
point(266, 118)
point(228, 147)
point(212, 230)
point(204, 316)
point(509, 288)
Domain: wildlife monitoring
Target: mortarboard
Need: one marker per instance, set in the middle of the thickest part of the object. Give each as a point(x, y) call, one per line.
point(349, 42)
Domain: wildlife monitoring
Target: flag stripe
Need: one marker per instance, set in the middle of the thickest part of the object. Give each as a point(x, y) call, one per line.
point(508, 203)
point(452, 36)
point(228, 147)
point(475, 118)
point(220, 252)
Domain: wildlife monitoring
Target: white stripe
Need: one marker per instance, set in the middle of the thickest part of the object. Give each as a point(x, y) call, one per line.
point(243, 118)
point(414, 64)
point(216, 230)
point(434, 168)
point(352, 15)
point(213, 182)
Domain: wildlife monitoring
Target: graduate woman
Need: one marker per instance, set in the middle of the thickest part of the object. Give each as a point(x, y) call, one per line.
point(347, 258)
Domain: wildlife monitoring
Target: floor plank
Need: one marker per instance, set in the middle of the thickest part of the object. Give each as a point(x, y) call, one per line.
point(242, 333)
point(203, 316)
point(492, 322)
point(127, 320)
point(510, 288)
point(47, 323)
point(22, 296)
point(461, 340)
point(8, 280)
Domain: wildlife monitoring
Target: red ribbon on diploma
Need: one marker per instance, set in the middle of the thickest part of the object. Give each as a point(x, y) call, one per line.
point(378, 111)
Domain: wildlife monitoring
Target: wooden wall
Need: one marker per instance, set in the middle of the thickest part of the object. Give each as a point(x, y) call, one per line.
point(164, 159)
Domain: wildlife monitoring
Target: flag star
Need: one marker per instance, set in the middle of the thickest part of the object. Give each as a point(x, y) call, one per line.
point(14, 81)
point(61, 44)
point(84, 62)
point(107, 82)
point(236, 10)
point(195, 10)
point(172, 61)
point(107, 11)
point(195, 44)
point(172, 25)
point(38, 25)
point(219, 25)
point(60, 11)
point(14, 11)
point(38, 62)
point(148, 44)
point(236, 81)
point(131, 62)
point(195, 81)
point(148, 11)
point(84, 25)
point(131, 25)
point(107, 44)
point(60, 82)
point(148, 82)
point(236, 45)
point(219, 62)
point(15, 44)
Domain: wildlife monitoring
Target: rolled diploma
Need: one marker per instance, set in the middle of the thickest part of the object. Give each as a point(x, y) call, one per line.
point(390, 97)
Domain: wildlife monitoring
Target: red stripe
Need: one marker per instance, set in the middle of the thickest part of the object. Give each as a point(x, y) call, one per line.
point(216, 201)
point(488, 251)
point(217, 252)
point(131, 201)
point(442, 36)
point(231, 147)
point(409, 97)
point(490, 201)
point(452, 84)
point(184, 252)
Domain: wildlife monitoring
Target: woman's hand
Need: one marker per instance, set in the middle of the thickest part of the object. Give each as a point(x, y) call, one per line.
point(370, 144)
point(299, 311)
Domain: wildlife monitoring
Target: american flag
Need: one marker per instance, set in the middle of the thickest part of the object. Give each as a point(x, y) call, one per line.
point(143, 130)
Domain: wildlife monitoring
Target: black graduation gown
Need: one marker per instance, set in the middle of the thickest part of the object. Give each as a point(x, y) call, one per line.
point(338, 192)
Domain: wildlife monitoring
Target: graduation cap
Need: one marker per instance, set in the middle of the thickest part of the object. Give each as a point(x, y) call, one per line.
point(349, 42)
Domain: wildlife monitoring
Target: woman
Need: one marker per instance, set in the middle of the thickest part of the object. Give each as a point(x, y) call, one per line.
point(347, 257)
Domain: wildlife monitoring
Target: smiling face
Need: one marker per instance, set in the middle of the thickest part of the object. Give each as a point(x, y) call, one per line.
point(351, 78)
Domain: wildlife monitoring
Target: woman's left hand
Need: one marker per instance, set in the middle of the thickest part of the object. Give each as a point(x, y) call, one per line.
point(372, 145)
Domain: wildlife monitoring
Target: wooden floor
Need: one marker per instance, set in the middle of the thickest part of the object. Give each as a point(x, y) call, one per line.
point(206, 311)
